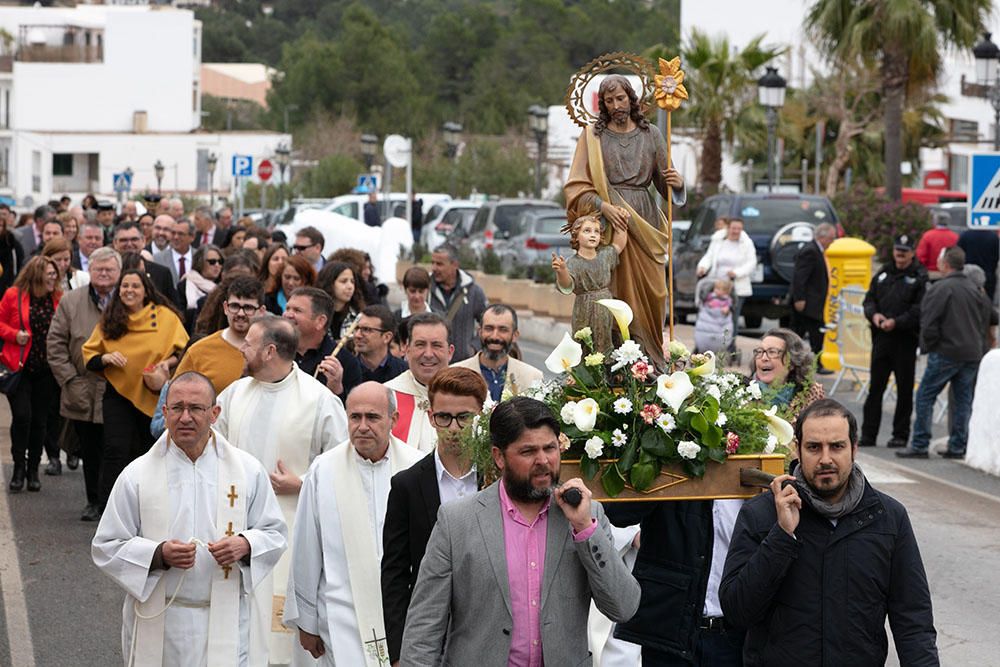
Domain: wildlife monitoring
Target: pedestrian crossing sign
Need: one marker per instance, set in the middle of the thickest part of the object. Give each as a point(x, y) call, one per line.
point(984, 191)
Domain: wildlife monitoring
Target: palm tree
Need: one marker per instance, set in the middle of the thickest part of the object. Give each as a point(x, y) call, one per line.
point(905, 37)
point(722, 84)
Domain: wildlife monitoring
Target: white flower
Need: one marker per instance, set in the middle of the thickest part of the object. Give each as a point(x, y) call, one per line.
point(777, 426)
point(567, 355)
point(707, 367)
point(754, 389)
point(585, 414)
point(629, 353)
point(568, 411)
point(688, 449)
point(622, 313)
point(673, 389)
point(622, 406)
point(489, 403)
point(714, 392)
point(584, 334)
point(721, 420)
point(618, 438)
point(666, 422)
point(678, 349)
point(476, 423)
point(594, 447)
point(772, 442)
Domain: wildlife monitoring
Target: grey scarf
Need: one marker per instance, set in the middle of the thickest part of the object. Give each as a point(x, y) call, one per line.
point(847, 504)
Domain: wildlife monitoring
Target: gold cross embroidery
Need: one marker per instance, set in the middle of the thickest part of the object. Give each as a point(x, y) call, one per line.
point(226, 569)
point(232, 495)
point(229, 531)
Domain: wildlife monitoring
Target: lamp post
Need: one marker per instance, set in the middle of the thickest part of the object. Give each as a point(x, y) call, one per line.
point(282, 153)
point(452, 138)
point(771, 95)
point(211, 161)
point(986, 54)
point(158, 169)
point(369, 147)
point(538, 122)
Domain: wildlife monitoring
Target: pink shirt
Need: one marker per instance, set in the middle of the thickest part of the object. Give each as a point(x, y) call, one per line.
point(524, 547)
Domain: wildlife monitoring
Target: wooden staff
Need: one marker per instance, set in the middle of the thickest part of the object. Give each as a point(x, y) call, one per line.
point(670, 241)
point(342, 342)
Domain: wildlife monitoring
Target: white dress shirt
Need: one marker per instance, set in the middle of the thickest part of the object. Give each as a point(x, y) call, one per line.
point(451, 488)
point(724, 513)
point(175, 258)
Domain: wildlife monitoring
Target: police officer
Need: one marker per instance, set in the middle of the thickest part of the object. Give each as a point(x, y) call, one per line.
point(892, 305)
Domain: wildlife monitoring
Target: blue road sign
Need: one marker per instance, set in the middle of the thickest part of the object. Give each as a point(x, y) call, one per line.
point(984, 191)
point(122, 181)
point(242, 165)
point(367, 183)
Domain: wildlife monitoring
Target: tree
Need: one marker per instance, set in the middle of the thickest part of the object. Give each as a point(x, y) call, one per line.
point(904, 36)
point(722, 83)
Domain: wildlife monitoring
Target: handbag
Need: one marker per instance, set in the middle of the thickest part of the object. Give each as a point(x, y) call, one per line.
point(10, 379)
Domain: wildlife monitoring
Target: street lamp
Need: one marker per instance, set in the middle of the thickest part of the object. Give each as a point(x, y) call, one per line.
point(369, 147)
point(452, 138)
point(986, 54)
point(211, 161)
point(158, 169)
point(538, 122)
point(282, 153)
point(771, 95)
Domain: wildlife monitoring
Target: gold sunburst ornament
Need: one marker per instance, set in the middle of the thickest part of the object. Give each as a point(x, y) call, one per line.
point(669, 89)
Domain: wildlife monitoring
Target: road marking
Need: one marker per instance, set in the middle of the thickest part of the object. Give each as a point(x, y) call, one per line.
point(929, 477)
point(877, 473)
point(22, 651)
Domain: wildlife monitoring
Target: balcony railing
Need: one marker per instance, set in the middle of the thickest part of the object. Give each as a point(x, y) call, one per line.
point(59, 44)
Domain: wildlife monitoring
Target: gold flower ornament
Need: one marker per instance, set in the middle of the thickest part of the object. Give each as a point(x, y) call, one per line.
point(669, 88)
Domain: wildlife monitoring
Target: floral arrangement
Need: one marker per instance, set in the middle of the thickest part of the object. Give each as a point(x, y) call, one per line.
point(623, 419)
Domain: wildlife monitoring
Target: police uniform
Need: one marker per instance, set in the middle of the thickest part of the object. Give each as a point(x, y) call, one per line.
point(109, 232)
point(895, 294)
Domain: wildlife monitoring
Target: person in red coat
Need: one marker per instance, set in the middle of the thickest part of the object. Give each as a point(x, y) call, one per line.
point(26, 311)
point(933, 241)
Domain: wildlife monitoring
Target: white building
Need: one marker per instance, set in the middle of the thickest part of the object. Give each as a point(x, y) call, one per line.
point(91, 91)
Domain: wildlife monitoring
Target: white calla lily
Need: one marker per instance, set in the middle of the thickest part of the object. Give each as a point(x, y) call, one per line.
point(585, 415)
point(777, 426)
point(622, 313)
point(673, 389)
point(706, 368)
point(568, 354)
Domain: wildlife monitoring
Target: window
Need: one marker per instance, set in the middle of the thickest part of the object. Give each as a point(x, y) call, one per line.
point(62, 164)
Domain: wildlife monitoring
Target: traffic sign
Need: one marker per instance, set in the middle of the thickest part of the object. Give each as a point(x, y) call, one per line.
point(123, 181)
point(368, 183)
point(242, 165)
point(984, 191)
point(264, 170)
point(397, 150)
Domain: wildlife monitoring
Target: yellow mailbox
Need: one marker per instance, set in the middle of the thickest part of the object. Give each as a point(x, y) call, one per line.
point(850, 264)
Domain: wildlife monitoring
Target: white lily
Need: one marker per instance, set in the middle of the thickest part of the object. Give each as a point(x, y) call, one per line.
point(585, 415)
point(706, 368)
point(777, 426)
point(622, 313)
point(673, 389)
point(568, 354)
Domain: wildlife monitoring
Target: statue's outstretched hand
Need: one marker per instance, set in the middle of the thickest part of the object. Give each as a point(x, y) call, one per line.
point(558, 263)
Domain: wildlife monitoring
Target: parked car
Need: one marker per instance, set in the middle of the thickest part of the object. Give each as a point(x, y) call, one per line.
point(441, 219)
point(534, 237)
point(495, 222)
point(287, 214)
point(779, 225)
point(391, 205)
point(958, 212)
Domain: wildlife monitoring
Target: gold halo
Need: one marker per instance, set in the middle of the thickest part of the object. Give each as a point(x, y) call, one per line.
point(619, 60)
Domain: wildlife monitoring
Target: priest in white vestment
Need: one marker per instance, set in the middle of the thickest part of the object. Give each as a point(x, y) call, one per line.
point(285, 418)
point(334, 589)
point(427, 352)
point(191, 529)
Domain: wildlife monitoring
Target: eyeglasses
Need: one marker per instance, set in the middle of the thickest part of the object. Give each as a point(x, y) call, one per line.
point(245, 308)
point(368, 330)
point(194, 410)
point(302, 248)
point(444, 419)
point(213, 262)
point(770, 353)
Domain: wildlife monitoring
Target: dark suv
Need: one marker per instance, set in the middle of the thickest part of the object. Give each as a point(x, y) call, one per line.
point(779, 225)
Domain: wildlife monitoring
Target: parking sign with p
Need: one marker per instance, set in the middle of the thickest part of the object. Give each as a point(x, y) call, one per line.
point(242, 165)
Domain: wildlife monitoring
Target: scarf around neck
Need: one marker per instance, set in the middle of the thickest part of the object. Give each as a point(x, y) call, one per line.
point(847, 504)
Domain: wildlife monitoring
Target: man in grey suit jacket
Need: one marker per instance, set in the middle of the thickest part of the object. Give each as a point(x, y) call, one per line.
point(30, 236)
point(481, 597)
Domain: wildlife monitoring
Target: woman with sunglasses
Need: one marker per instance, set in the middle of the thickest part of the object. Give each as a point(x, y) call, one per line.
point(200, 281)
point(784, 367)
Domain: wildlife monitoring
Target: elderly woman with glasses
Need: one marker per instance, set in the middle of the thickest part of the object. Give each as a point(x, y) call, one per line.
point(784, 366)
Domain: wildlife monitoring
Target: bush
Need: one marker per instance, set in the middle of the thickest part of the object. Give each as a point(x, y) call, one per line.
point(491, 264)
point(543, 272)
point(517, 271)
point(870, 215)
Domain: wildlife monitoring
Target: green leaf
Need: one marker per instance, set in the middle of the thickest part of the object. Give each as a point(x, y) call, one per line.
point(583, 375)
point(695, 468)
point(712, 437)
point(642, 475)
point(612, 480)
point(589, 467)
point(710, 410)
point(628, 455)
point(717, 454)
point(654, 442)
point(699, 423)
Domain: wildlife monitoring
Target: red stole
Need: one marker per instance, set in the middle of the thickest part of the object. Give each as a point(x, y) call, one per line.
point(406, 404)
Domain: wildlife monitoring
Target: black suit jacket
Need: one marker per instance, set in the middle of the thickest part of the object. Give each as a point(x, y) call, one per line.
point(409, 517)
point(810, 280)
point(163, 281)
point(218, 237)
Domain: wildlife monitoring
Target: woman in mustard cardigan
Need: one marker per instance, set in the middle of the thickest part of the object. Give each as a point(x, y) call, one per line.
point(140, 335)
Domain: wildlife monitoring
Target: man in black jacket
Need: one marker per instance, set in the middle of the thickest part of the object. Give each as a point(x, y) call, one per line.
point(954, 325)
point(892, 305)
point(815, 565)
point(810, 282)
point(456, 396)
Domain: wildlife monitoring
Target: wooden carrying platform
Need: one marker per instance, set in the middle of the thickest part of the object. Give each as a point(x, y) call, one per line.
point(721, 480)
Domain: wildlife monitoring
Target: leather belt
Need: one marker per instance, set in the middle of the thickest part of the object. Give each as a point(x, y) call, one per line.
point(713, 624)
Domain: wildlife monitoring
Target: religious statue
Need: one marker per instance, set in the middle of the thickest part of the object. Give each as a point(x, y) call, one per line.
point(588, 275)
point(617, 157)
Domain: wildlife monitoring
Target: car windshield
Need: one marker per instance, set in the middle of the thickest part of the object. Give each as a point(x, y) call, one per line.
point(550, 225)
point(767, 216)
point(508, 215)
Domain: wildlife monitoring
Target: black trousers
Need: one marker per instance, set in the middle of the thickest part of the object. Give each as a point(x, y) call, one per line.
point(712, 649)
point(896, 355)
point(809, 330)
point(52, 433)
point(126, 437)
point(91, 437)
point(30, 405)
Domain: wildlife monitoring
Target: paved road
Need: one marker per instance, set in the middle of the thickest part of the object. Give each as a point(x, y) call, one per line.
point(73, 612)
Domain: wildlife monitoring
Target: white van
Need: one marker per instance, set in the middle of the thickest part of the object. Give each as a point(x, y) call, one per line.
point(390, 206)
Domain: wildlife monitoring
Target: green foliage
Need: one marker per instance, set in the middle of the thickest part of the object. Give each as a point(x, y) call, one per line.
point(491, 263)
point(543, 273)
point(272, 195)
point(222, 114)
point(872, 216)
point(334, 175)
